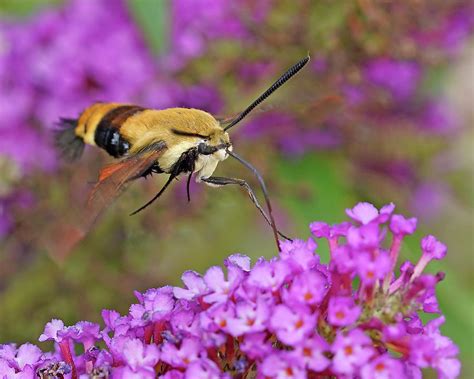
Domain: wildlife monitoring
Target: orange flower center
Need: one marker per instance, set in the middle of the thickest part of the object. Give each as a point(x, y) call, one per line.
point(340, 315)
point(307, 352)
point(299, 324)
point(348, 350)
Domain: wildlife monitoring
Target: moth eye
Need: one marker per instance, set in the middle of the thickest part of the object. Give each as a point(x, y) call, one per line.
point(205, 149)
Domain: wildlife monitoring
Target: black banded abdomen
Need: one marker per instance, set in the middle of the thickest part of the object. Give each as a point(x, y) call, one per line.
point(107, 134)
point(110, 140)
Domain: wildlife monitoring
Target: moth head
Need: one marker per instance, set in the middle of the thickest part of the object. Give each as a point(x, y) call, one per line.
point(215, 144)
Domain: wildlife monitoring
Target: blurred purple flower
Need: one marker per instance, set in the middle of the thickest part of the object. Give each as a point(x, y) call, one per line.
point(458, 28)
point(275, 124)
point(400, 78)
point(204, 97)
point(198, 23)
point(54, 65)
point(354, 95)
point(439, 117)
point(306, 140)
point(289, 135)
point(26, 148)
point(19, 199)
point(429, 198)
point(55, 49)
point(319, 64)
point(6, 221)
point(59, 61)
point(251, 71)
point(452, 32)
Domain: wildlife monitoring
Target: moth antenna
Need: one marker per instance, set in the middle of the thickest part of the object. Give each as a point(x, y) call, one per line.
point(170, 179)
point(293, 70)
point(264, 190)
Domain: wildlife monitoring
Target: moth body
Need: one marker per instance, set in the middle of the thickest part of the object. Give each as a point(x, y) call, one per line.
point(175, 141)
point(123, 129)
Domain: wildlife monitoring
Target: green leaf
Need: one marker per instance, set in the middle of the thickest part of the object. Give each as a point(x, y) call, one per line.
point(24, 7)
point(152, 17)
point(326, 19)
point(316, 190)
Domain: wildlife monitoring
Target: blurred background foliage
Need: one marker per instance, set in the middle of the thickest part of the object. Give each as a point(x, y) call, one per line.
point(384, 113)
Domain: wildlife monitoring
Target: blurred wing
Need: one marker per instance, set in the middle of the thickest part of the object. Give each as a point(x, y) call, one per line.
point(61, 236)
point(225, 119)
point(317, 110)
point(114, 178)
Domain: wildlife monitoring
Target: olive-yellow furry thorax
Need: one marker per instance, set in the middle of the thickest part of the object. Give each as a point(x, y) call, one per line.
point(123, 130)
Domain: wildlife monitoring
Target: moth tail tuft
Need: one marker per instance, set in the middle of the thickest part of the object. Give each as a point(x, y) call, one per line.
point(69, 145)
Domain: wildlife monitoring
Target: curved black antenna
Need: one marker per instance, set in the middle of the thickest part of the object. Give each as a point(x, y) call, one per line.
point(264, 190)
point(284, 78)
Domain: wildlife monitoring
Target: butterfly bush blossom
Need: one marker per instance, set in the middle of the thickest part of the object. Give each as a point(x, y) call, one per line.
point(291, 316)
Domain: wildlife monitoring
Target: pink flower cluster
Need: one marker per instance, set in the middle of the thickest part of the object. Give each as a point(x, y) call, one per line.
point(288, 317)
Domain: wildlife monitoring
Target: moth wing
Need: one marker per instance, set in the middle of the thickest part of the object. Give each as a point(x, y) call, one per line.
point(225, 119)
point(114, 178)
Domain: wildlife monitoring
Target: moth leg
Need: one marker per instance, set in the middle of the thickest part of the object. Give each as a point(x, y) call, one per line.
point(220, 181)
point(154, 169)
point(170, 179)
point(188, 183)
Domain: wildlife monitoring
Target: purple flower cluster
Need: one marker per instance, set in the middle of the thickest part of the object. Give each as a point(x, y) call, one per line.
point(288, 317)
